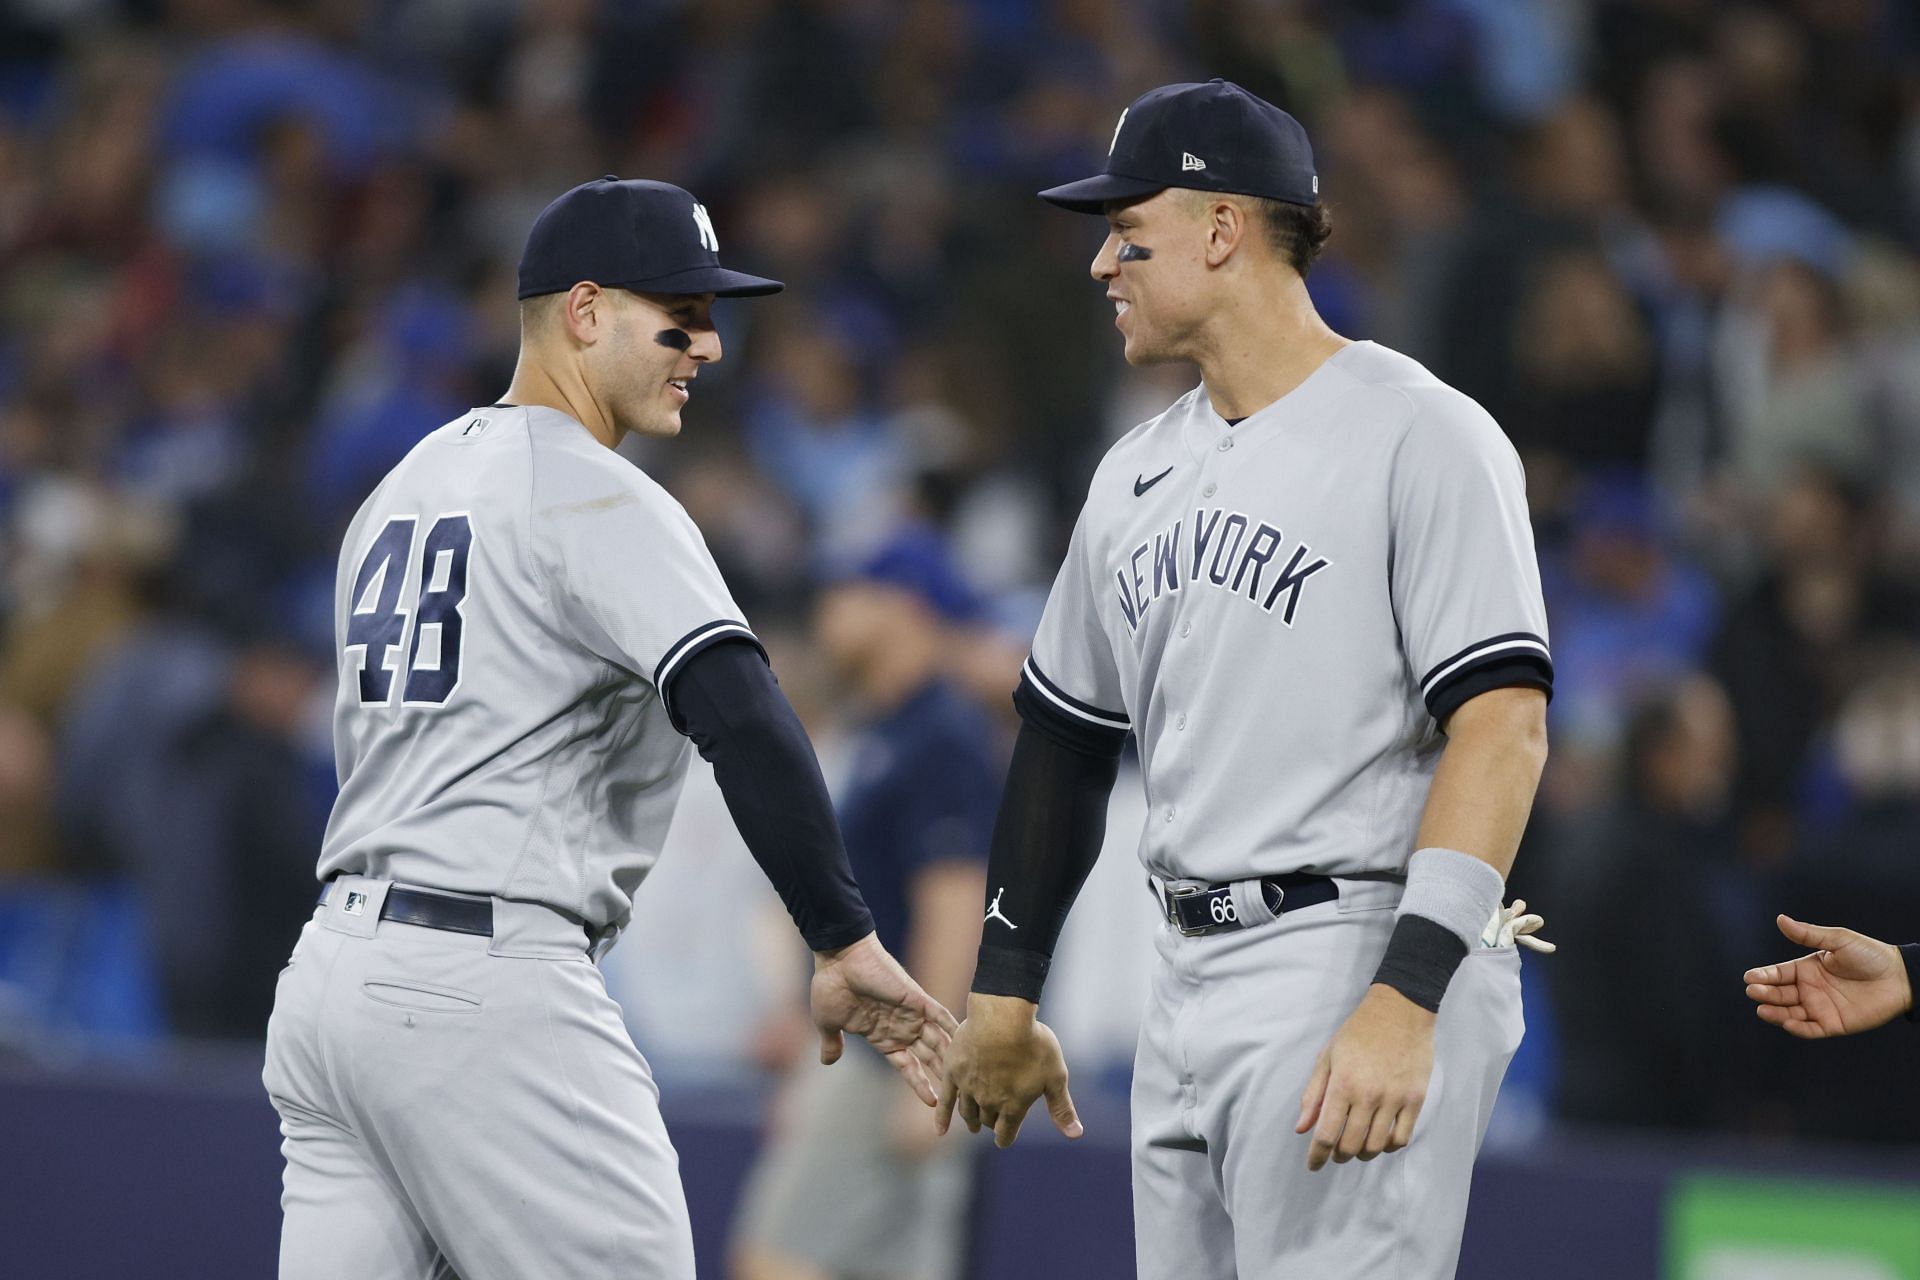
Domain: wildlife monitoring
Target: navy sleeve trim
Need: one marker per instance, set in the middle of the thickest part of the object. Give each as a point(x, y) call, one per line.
point(1070, 704)
point(1513, 642)
point(1499, 671)
point(701, 637)
point(1066, 719)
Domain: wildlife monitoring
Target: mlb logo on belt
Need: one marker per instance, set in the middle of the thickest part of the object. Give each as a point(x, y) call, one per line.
point(356, 904)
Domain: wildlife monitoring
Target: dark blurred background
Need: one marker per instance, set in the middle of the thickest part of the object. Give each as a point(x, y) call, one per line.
point(251, 250)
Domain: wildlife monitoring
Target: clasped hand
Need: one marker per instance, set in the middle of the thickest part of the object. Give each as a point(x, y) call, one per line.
point(862, 989)
point(1001, 1061)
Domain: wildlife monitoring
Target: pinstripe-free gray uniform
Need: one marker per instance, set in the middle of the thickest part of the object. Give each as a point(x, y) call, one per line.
point(1278, 610)
point(510, 602)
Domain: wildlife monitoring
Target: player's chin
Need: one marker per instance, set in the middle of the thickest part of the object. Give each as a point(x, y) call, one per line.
point(1138, 351)
point(664, 422)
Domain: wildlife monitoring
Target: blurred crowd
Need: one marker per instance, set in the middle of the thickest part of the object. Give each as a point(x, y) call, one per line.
point(251, 250)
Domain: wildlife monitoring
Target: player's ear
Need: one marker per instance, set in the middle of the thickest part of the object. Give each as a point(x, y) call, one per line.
point(1226, 227)
point(586, 312)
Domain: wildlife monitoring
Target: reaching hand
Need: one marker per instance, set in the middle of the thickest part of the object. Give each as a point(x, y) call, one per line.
point(863, 990)
point(1853, 983)
point(1370, 1081)
point(1003, 1059)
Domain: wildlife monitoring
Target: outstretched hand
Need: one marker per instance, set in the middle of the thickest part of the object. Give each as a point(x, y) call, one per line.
point(862, 990)
point(1851, 983)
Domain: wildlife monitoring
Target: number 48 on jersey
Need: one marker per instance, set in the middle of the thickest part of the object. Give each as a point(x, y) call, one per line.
point(377, 627)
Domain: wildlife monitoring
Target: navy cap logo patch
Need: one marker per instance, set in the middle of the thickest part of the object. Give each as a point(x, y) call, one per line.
point(1189, 162)
point(708, 239)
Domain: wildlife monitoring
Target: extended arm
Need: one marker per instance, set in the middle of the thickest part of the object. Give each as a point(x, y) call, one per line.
point(1851, 983)
point(726, 700)
point(1052, 820)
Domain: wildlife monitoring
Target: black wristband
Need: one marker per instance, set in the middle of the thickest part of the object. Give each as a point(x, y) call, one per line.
point(1910, 955)
point(1011, 971)
point(1420, 960)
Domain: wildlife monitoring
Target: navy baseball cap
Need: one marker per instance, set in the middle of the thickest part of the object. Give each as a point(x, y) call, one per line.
point(916, 560)
point(651, 237)
point(1210, 137)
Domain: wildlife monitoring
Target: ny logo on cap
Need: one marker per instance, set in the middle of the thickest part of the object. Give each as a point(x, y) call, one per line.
point(1116, 129)
point(1190, 162)
point(708, 240)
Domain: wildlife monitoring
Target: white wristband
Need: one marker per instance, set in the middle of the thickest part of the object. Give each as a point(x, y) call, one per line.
point(1455, 890)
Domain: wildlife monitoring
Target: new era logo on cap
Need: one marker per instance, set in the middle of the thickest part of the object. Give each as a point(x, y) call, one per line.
point(1245, 146)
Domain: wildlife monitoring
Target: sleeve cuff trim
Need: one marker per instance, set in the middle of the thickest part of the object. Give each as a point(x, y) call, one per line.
point(1514, 644)
point(1070, 704)
point(692, 643)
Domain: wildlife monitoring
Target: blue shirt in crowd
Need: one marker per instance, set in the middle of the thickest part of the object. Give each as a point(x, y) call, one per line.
point(924, 788)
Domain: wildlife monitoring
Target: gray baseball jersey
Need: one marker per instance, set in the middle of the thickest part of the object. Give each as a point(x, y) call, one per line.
point(1280, 609)
point(510, 603)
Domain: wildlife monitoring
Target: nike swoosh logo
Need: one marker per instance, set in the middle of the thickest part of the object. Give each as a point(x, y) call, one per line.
point(1140, 486)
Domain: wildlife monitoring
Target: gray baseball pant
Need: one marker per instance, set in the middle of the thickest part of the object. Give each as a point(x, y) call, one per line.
point(455, 1105)
point(1233, 1025)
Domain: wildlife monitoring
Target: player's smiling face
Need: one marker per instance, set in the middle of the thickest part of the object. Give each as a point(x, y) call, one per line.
point(1153, 265)
point(659, 343)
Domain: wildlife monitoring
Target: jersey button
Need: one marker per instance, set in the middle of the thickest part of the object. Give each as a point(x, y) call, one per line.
point(1181, 723)
point(1186, 629)
point(1169, 813)
point(1226, 443)
point(1208, 491)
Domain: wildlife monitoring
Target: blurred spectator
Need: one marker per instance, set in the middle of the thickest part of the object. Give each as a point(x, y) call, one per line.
point(1627, 615)
point(1789, 645)
point(1867, 867)
point(855, 1182)
point(1648, 1038)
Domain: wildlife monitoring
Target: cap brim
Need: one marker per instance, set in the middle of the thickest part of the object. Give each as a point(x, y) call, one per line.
point(1090, 195)
point(718, 281)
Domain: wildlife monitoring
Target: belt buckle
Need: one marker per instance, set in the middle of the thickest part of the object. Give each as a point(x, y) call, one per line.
point(1175, 892)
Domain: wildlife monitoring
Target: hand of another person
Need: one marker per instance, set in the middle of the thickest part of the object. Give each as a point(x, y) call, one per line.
point(863, 990)
point(1003, 1059)
point(1852, 983)
point(1370, 1081)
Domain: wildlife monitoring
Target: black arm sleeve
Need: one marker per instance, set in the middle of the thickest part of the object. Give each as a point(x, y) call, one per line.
point(726, 699)
point(1053, 817)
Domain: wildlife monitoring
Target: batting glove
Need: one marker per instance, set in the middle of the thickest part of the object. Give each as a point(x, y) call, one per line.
point(1515, 926)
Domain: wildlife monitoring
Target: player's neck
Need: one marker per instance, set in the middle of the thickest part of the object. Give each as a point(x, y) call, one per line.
point(1254, 352)
point(533, 384)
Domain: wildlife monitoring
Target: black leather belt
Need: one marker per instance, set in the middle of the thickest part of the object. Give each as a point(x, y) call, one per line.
point(428, 908)
point(1199, 909)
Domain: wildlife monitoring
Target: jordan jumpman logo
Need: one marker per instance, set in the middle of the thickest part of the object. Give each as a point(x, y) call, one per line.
point(994, 913)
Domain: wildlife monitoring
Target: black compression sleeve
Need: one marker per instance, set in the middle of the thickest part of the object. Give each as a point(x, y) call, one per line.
point(726, 699)
point(1053, 817)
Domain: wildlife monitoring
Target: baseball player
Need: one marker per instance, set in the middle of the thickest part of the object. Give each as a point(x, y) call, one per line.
point(1851, 983)
point(530, 631)
point(1308, 589)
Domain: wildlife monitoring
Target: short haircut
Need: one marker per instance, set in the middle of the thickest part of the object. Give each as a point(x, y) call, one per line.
point(1295, 231)
point(537, 312)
